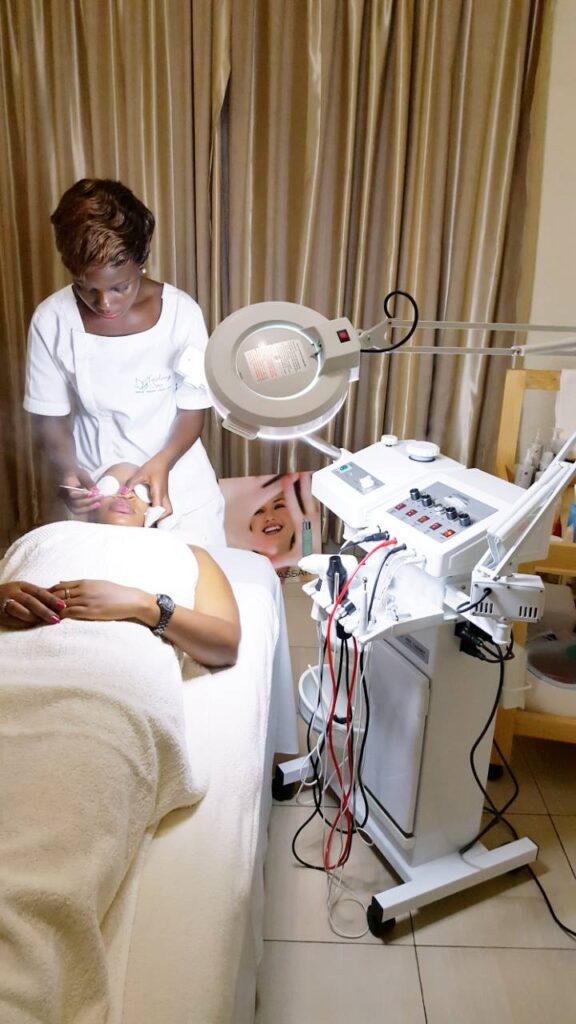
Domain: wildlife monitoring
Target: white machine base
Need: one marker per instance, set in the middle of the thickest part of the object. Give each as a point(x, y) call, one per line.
point(435, 879)
point(447, 875)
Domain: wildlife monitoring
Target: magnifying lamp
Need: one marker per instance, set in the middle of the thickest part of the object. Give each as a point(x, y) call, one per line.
point(280, 370)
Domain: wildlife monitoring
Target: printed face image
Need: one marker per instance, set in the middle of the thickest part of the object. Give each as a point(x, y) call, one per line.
point(273, 527)
point(271, 514)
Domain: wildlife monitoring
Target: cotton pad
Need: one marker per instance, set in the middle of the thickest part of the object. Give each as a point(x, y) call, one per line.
point(109, 486)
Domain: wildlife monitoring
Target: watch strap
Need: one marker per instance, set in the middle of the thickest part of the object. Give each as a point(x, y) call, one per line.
point(166, 606)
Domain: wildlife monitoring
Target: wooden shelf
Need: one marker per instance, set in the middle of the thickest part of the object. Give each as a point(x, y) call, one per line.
point(560, 561)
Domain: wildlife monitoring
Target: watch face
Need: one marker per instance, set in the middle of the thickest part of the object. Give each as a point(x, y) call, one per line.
point(165, 603)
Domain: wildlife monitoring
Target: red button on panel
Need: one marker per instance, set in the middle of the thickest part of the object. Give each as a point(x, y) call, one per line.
point(448, 533)
point(401, 505)
point(423, 519)
point(436, 526)
point(411, 512)
point(343, 335)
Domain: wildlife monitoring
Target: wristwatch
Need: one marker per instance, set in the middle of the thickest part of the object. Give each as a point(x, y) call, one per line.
point(166, 606)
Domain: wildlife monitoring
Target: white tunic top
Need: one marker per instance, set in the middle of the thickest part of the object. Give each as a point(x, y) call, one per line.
point(123, 392)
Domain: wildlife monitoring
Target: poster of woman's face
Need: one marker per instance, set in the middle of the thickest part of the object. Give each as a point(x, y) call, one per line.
point(276, 516)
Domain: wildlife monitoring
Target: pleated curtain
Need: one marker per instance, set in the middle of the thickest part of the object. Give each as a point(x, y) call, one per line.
point(315, 151)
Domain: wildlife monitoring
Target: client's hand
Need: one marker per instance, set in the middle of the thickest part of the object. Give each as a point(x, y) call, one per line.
point(100, 600)
point(79, 493)
point(23, 605)
point(154, 474)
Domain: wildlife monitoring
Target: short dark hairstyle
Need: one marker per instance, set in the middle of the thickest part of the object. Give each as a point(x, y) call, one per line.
point(101, 221)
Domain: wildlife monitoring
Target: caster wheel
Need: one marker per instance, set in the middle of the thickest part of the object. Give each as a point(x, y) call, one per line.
point(495, 772)
point(282, 791)
point(376, 925)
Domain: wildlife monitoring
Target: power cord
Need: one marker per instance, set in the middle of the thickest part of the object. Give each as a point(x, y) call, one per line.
point(466, 607)
point(498, 813)
point(388, 314)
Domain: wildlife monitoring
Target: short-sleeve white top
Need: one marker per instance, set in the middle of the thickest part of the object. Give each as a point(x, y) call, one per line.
point(123, 392)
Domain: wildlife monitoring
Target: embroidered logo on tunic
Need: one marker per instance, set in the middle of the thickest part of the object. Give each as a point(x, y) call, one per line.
point(153, 382)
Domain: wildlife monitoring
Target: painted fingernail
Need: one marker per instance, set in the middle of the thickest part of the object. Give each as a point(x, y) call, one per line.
point(61, 604)
point(124, 490)
point(54, 619)
point(97, 505)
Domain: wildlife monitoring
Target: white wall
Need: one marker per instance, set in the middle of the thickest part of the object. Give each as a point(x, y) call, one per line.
point(554, 290)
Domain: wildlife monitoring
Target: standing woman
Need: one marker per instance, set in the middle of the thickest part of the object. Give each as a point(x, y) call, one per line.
point(114, 370)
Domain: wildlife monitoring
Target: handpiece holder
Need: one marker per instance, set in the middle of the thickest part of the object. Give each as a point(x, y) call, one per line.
point(499, 595)
point(509, 536)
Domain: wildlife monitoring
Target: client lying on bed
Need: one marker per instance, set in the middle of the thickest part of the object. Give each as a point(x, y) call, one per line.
point(209, 633)
point(93, 750)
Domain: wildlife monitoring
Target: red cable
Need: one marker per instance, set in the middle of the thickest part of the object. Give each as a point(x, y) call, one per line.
point(344, 811)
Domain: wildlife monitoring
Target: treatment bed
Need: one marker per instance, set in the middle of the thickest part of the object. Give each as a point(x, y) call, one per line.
point(197, 928)
point(181, 934)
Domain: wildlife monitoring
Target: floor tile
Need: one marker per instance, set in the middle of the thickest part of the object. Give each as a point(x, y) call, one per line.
point(317, 983)
point(296, 909)
point(509, 910)
point(301, 658)
point(301, 627)
point(504, 986)
point(554, 766)
point(529, 799)
point(565, 825)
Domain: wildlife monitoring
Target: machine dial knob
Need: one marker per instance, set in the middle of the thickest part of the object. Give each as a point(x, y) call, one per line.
point(426, 500)
point(464, 519)
point(414, 493)
point(451, 512)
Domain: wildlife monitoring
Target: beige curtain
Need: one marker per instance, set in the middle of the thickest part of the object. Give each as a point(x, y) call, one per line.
point(319, 151)
point(374, 145)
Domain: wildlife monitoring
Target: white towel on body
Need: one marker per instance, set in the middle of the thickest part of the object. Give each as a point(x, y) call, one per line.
point(92, 755)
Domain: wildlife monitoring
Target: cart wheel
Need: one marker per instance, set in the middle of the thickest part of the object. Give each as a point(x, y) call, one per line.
point(280, 789)
point(376, 925)
point(495, 771)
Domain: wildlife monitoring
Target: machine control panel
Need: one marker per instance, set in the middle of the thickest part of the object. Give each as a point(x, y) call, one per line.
point(357, 477)
point(439, 512)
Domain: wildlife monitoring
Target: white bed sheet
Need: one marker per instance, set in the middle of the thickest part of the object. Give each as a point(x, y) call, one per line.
point(195, 900)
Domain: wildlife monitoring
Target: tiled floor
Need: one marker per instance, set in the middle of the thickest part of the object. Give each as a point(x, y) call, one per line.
point(491, 955)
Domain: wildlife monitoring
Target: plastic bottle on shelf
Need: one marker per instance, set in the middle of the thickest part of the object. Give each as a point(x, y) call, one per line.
point(556, 441)
point(524, 473)
point(534, 453)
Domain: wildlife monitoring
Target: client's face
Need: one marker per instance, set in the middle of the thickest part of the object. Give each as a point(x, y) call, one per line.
point(124, 508)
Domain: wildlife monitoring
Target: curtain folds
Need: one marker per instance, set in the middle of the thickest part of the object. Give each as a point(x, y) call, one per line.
point(316, 151)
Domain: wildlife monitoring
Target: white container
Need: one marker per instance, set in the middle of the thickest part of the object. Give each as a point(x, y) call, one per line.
point(552, 674)
point(310, 708)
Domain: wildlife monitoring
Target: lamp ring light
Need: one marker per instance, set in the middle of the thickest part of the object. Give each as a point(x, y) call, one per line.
point(280, 370)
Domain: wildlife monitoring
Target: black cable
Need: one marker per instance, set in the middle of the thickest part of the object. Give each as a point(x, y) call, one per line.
point(316, 787)
point(476, 744)
point(387, 555)
point(498, 813)
point(372, 537)
point(363, 743)
point(388, 314)
point(467, 607)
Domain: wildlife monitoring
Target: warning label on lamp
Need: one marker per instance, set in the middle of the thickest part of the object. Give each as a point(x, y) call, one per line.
point(282, 359)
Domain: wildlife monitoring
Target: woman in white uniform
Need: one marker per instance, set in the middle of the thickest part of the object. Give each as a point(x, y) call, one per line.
point(112, 372)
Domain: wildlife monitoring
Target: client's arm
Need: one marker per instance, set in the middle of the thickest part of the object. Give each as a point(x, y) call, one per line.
point(209, 633)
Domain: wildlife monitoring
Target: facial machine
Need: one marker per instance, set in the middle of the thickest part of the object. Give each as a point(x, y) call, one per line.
point(450, 582)
point(429, 603)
